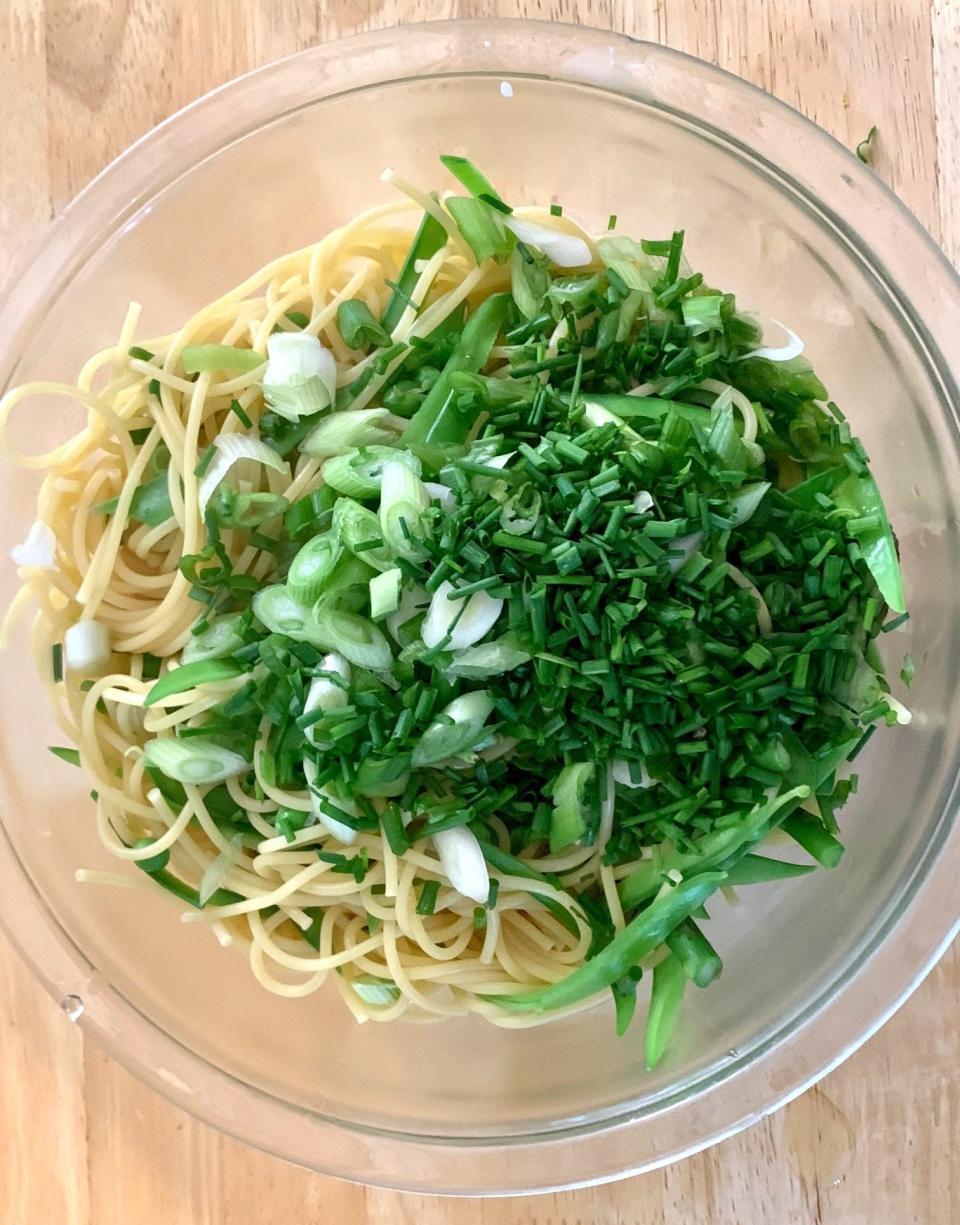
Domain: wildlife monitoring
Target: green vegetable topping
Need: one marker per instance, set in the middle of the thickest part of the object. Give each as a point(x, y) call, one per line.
point(199, 358)
point(567, 596)
point(358, 327)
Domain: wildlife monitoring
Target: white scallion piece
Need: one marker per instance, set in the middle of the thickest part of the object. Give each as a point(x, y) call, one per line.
point(747, 500)
point(627, 259)
point(727, 394)
point(595, 415)
point(488, 659)
point(499, 746)
point(764, 621)
point(565, 250)
point(403, 499)
point(684, 547)
point(86, 648)
point(359, 473)
point(458, 729)
point(340, 432)
point(463, 863)
point(324, 692)
point(38, 548)
point(375, 990)
point(230, 450)
point(300, 378)
point(605, 828)
point(222, 637)
point(622, 775)
point(903, 713)
point(440, 493)
point(778, 353)
point(385, 593)
point(343, 833)
point(412, 603)
point(476, 621)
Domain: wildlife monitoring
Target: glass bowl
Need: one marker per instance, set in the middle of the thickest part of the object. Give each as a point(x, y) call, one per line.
point(775, 210)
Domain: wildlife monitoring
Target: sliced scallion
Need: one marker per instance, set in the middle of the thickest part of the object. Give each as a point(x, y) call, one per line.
point(376, 991)
point(300, 378)
point(385, 594)
point(358, 327)
point(207, 671)
point(458, 728)
point(482, 227)
point(570, 817)
point(403, 501)
point(312, 567)
point(198, 359)
point(355, 638)
point(357, 473)
point(351, 428)
point(220, 638)
point(195, 760)
point(459, 622)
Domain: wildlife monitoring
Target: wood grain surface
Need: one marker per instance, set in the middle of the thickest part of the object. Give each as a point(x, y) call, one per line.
point(81, 1142)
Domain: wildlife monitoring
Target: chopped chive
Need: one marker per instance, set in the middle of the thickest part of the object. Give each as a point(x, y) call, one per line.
point(895, 623)
point(519, 544)
point(206, 459)
point(810, 833)
point(150, 667)
point(238, 411)
point(757, 655)
point(427, 902)
point(71, 756)
point(674, 253)
point(482, 584)
point(393, 830)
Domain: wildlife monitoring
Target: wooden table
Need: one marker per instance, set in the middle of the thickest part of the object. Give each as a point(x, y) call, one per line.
point(81, 1142)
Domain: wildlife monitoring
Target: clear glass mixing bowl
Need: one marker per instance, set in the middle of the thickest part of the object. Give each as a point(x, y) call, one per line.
point(775, 210)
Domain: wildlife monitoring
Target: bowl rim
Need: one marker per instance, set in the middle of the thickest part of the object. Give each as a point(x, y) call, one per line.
point(623, 1143)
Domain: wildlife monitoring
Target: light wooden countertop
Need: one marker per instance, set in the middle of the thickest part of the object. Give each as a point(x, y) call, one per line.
point(81, 1142)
